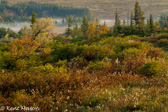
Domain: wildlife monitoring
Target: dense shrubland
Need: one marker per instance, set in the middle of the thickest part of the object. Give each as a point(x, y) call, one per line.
point(111, 74)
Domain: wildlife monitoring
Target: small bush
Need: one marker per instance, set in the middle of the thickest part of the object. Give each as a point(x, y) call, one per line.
point(61, 70)
point(162, 36)
point(78, 62)
point(100, 65)
point(66, 52)
point(6, 61)
point(33, 61)
point(133, 59)
point(163, 42)
point(21, 64)
point(61, 63)
point(154, 69)
point(3, 47)
point(134, 37)
point(94, 52)
point(48, 68)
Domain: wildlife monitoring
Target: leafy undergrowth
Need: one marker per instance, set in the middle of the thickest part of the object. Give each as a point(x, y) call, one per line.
point(81, 91)
point(112, 74)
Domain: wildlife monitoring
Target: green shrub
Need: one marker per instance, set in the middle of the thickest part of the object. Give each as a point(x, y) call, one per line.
point(33, 61)
point(133, 59)
point(162, 42)
point(99, 65)
point(3, 47)
point(61, 70)
point(61, 63)
point(78, 62)
point(21, 64)
point(96, 52)
point(2, 63)
point(154, 69)
point(60, 38)
point(162, 36)
point(65, 52)
point(6, 61)
point(48, 68)
point(134, 37)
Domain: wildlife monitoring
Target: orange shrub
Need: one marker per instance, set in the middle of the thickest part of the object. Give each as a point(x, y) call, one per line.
point(23, 48)
point(103, 30)
point(92, 30)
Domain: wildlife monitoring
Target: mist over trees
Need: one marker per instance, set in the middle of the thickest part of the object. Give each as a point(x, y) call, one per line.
point(22, 11)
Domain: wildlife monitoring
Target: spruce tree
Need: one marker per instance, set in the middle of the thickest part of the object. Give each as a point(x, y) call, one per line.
point(117, 20)
point(132, 25)
point(139, 19)
point(63, 20)
point(33, 18)
point(105, 23)
point(136, 14)
point(158, 27)
point(76, 27)
point(151, 23)
point(132, 20)
point(69, 30)
point(124, 22)
point(97, 20)
point(147, 28)
point(117, 26)
point(85, 24)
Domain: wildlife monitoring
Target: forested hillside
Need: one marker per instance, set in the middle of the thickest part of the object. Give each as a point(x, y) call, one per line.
point(106, 8)
point(22, 11)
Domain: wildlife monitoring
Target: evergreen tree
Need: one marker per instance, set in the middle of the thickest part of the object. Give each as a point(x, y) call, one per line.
point(76, 27)
point(75, 31)
point(70, 21)
point(132, 20)
point(33, 18)
point(158, 27)
point(117, 20)
point(136, 15)
point(69, 30)
point(117, 26)
point(89, 17)
point(166, 24)
point(161, 20)
point(147, 28)
point(85, 24)
point(132, 25)
point(151, 23)
point(63, 20)
point(97, 20)
point(124, 22)
point(128, 17)
point(105, 23)
point(139, 19)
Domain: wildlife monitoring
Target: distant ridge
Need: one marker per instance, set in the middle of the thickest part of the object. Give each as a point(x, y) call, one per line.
point(106, 8)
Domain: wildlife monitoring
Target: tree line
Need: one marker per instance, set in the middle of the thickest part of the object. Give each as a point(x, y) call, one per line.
point(140, 25)
point(137, 25)
point(22, 11)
